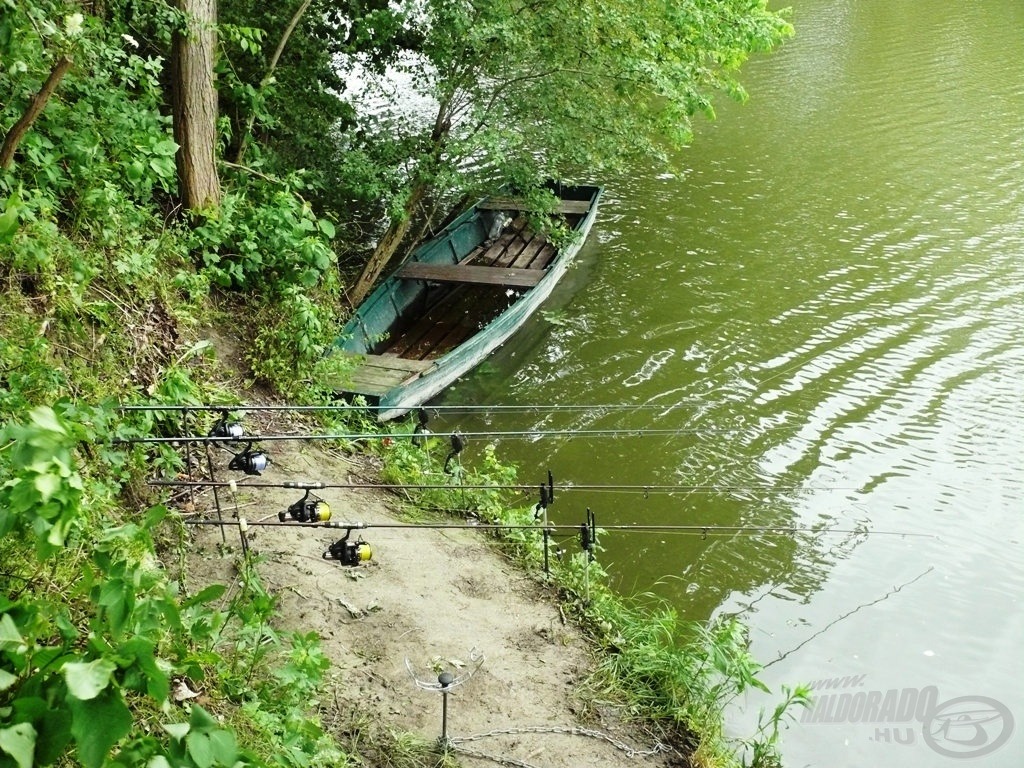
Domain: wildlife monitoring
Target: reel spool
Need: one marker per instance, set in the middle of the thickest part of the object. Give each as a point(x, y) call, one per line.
point(225, 428)
point(248, 461)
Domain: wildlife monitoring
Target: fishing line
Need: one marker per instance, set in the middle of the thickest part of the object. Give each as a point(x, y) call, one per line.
point(849, 613)
point(526, 434)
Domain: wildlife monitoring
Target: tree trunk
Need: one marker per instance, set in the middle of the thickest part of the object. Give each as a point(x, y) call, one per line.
point(386, 247)
point(399, 228)
point(195, 105)
point(15, 135)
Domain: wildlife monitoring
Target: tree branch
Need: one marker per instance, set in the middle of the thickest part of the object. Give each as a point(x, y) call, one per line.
point(17, 133)
point(240, 155)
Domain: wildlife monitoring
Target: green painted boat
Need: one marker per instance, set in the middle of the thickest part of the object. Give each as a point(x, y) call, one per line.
point(457, 298)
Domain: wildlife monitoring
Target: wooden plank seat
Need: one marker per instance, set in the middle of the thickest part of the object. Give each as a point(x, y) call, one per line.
point(511, 204)
point(463, 273)
point(377, 374)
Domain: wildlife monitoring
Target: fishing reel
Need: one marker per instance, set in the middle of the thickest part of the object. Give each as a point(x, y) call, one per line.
point(350, 553)
point(249, 461)
point(307, 510)
point(547, 496)
point(225, 428)
point(421, 432)
point(588, 536)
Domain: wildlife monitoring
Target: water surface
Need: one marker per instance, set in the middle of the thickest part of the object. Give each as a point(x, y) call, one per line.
point(826, 307)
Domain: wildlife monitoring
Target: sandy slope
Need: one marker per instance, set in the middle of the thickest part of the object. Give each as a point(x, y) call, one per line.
point(437, 598)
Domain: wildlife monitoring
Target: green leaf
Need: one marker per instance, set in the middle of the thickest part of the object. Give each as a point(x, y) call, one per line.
point(47, 484)
point(116, 598)
point(167, 148)
point(97, 725)
point(52, 724)
point(200, 749)
point(211, 593)
point(178, 731)
point(326, 227)
point(19, 741)
point(7, 679)
point(200, 720)
point(46, 419)
point(135, 170)
point(8, 225)
point(10, 638)
point(86, 680)
point(145, 673)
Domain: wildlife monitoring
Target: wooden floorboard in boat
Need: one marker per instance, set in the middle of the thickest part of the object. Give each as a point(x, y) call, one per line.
point(377, 374)
point(458, 314)
point(502, 277)
point(529, 253)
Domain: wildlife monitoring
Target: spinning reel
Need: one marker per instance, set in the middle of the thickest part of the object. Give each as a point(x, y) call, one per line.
point(350, 553)
point(249, 461)
point(225, 428)
point(307, 510)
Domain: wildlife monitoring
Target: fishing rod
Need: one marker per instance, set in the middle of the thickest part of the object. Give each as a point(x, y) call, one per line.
point(314, 513)
point(532, 434)
point(434, 408)
point(565, 486)
point(710, 530)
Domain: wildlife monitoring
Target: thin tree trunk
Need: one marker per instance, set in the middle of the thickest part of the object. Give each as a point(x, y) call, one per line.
point(195, 105)
point(399, 228)
point(386, 248)
point(17, 133)
point(243, 145)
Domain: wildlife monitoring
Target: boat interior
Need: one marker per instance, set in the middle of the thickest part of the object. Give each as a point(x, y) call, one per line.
point(458, 300)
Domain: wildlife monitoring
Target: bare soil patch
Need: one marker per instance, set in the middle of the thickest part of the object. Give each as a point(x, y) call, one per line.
point(439, 599)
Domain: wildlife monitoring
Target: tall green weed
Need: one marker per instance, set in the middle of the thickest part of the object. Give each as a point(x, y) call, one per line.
point(93, 633)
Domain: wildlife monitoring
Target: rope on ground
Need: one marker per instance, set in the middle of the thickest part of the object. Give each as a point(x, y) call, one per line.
point(565, 730)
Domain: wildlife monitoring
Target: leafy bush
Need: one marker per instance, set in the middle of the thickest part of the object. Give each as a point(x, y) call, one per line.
point(264, 238)
point(92, 632)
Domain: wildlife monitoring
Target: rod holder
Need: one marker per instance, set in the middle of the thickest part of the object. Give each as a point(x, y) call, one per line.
point(445, 679)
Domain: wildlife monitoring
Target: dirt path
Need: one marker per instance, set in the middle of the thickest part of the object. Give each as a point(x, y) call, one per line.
point(445, 600)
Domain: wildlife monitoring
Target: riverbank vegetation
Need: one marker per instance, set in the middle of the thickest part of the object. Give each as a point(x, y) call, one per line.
point(169, 174)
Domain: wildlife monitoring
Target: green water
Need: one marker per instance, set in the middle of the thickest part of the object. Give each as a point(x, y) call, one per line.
point(826, 306)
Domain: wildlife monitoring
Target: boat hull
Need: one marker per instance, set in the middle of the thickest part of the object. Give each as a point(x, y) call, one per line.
point(395, 384)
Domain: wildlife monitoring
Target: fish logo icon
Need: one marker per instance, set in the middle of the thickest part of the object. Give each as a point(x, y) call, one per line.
point(968, 726)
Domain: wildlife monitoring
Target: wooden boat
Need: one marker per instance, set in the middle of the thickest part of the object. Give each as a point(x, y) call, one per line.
point(457, 298)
